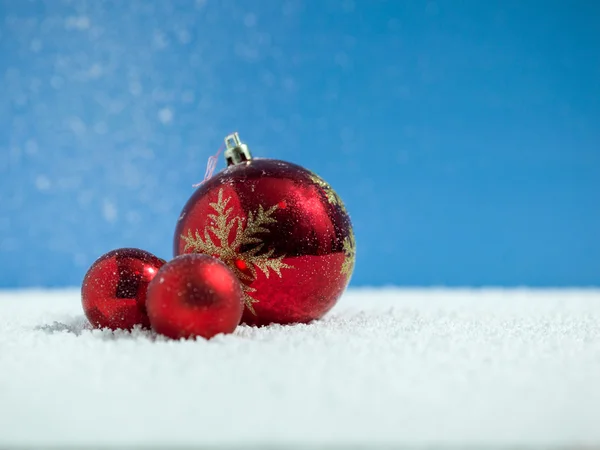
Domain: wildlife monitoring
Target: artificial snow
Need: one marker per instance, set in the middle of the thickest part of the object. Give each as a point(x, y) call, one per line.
point(385, 367)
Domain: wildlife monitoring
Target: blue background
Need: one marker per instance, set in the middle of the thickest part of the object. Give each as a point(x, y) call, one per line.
point(463, 136)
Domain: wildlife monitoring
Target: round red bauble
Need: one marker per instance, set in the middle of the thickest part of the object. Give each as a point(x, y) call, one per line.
point(194, 295)
point(113, 293)
point(283, 231)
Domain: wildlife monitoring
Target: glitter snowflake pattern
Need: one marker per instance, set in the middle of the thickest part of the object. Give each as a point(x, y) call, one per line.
point(243, 263)
point(349, 242)
point(331, 195)
point(350, 252)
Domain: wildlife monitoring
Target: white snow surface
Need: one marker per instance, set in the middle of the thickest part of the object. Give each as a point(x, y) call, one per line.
point(387, 367)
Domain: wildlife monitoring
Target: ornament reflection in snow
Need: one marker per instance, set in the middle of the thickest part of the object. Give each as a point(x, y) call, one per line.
point(283, 231)
point(113, 293)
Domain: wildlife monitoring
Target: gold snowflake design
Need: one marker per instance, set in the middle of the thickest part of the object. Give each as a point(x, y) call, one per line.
point(331, 195)
point(246, 231)
point(349, 242)
point(350, 252)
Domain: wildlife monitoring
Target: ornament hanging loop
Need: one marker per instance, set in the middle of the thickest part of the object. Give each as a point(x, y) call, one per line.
point(236, 151)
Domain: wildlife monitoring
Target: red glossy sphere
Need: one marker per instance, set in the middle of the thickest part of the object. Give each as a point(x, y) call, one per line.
point(113, 293)
point(282, 230)
point(194, 295)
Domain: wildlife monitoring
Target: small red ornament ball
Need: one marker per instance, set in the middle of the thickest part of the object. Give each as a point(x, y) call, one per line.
point(113, 293)
point(281, 229)
point(194, 295)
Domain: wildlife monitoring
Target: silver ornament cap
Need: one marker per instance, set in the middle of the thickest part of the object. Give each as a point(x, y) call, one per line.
point(236, 151)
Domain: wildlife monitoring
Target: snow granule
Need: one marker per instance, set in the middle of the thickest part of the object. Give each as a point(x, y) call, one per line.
point(385, 368)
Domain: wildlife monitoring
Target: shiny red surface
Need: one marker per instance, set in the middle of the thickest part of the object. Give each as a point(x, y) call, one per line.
point(309, 232)
point(194, 295)
point(113, 293)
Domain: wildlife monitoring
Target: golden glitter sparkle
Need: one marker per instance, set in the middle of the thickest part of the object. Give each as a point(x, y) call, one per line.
point(331, 195)
point(349, 242)
point(244, 264)
point(350, 252)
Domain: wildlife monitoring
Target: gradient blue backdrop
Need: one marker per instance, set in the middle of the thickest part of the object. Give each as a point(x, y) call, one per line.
point(463, 136)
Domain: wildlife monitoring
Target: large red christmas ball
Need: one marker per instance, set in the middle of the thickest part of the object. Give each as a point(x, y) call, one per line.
point(113, 293)
point(194, 295)
point(283, 231)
